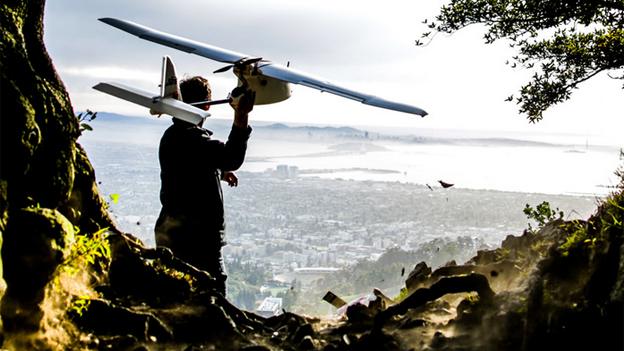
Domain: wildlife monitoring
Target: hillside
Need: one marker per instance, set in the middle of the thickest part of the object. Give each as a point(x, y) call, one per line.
point(547, 288)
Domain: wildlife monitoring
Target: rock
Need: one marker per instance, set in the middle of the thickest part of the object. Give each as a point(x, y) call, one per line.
point(469, 313)
point(359, 314)
point(448, 285)
point(34, 245)
point(376, 340)
point(307, 343)
point(331, 347)
point(133, 276)
point(255, 348)
point(291, 320)
point(485, 257)
point(381, 301)
point(198, 321)
point(410, 323)
point(438, 341)
point(450, 263)
point(119, 343)
point(303, 331)
point(105, 318)
point(419, 274)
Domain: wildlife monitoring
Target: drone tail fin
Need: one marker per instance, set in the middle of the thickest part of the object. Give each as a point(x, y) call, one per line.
point(169, 86)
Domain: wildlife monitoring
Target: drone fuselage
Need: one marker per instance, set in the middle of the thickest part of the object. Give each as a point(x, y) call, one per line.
point(268, 90)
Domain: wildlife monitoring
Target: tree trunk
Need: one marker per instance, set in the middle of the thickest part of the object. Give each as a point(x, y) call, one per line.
point(47, 184)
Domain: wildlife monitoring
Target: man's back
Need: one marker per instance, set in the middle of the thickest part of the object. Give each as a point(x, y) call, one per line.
point(189, 176)
point(190, 162)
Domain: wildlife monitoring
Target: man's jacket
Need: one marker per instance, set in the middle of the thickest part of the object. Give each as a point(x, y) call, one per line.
point(190, 164)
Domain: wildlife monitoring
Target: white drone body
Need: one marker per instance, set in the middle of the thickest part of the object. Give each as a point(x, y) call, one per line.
point(269, 80)
point(268, 90)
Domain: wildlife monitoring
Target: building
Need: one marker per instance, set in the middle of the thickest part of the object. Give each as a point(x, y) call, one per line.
point(270, 306)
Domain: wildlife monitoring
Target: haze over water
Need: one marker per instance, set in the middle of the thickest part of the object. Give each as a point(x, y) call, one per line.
point(532, 169)
point(551, 164)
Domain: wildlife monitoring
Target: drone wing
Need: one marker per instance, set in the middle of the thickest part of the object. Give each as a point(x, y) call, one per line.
point(265, 67)
point(176, 42)
point(297, 77)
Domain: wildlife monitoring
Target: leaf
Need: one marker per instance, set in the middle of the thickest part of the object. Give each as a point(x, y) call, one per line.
point(114, 198)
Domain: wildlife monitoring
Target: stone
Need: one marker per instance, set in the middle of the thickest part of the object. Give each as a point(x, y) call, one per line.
point(418, 275)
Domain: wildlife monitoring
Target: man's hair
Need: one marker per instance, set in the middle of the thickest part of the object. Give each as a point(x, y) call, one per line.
point(195, 89)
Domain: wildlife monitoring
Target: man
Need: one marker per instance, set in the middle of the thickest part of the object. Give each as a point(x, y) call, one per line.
point(191, 221)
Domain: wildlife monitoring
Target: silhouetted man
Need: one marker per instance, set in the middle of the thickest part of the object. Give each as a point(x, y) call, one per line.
point(191, 221)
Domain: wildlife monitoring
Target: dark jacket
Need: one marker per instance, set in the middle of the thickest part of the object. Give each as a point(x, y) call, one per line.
point(190, 164)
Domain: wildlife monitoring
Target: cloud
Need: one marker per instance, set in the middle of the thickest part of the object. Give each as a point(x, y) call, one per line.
point(110, 73)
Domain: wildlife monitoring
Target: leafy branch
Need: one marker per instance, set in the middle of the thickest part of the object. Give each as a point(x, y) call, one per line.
point(541, 214)
point(84, 118)
point(565, 42)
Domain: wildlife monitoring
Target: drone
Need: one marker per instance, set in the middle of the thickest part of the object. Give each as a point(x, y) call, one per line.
point(270, 81)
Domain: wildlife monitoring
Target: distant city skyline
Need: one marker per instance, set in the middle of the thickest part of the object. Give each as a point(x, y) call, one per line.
point(363, 45)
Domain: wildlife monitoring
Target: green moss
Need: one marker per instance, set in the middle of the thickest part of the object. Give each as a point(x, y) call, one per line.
point(472, 298)
point(1, 270)
point(66, 171)
point(8, 39)
point(523, 306)
point(578, 235)
point(612, 214)
point(502, 254)
point(30, 137)
point(607, 221)
point(402, 295)
point(14, 18)
point(4, 206)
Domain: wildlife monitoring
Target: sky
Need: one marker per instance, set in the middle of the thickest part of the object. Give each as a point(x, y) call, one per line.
point(359, 44)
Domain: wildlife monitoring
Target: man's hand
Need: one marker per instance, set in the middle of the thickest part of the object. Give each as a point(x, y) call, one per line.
point(242, 100)
point(230, 178)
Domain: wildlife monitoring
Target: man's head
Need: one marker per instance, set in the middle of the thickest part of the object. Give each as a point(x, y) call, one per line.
point(196, 89)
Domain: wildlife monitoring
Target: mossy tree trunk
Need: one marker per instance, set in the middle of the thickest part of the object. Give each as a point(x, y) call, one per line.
point(47, 185)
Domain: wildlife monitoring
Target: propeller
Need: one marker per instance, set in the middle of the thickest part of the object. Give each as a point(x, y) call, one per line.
point(240, 63)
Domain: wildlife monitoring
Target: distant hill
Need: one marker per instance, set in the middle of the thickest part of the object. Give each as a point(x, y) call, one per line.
point(221, 129)
point(107, 117)
point(316, 129)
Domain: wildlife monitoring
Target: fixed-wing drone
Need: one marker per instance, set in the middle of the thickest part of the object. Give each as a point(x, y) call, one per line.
point(269, 80)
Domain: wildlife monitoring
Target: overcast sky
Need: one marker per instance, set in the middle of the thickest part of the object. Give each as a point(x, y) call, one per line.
point(360, 44)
